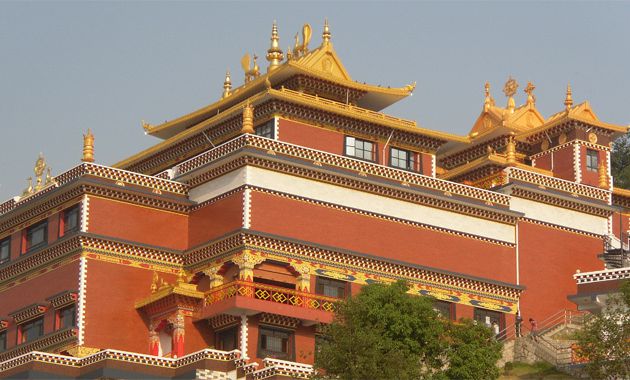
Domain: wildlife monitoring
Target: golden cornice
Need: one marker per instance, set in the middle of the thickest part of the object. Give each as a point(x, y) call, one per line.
point(182, 289)
point(496, 159)
point(621, 192)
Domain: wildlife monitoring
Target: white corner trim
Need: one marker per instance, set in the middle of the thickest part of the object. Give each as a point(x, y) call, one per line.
point(244, 334)
point(85, 213)
point(433, 166)
point(247, 202)
point(82, 296)
point(577, 163)
point(276, 128)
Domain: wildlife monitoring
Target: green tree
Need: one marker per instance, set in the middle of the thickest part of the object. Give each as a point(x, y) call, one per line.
point(605, 339)
point(620, 162)
point(386, 333)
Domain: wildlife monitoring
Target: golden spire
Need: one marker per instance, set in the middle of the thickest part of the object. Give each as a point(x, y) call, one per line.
point(509, 90)
point(603, 176)
point(568, 100)
point(248, 119)
point(227, 85)
point(510, 152)
point(529, 90)
point(488, 101)
point(274, 54)
point(326, 33)
point(88, 147)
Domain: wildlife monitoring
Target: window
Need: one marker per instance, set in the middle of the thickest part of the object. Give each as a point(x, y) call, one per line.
point(364, 150)
point(227, 340)
point(267, 129)
point(66, 317)
point(71, 219)
point(275, 343)
point(491, 319)
point(330, 287)
point(5, 250)
point(592, 159)
point(402, 159)
point(3, 340)
point(445, 309)
point(30, 331)
point(37, 236)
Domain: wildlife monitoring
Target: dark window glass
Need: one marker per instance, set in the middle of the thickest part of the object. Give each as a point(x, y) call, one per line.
point(445, 309)
point(3, 340)
point(67, 317)
point(71, 220)
point(5, 250)
point(37, 236)
point(364, 150)
point(32, 330)
point(227, 340)
point(330, 287)
point(491, 319)
point(275, 343)
point(267, 129)
point(402, 159)
point(592, 160)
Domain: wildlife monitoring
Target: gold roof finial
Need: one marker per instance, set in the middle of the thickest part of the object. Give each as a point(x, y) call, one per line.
point(248, 119)
point(227, 85)
point(509, 90)
point(40, 166)
point(488, 101)
point(529, 90)
point(274, 54)
point(146, 126)
point(250, 73)
point(568, 100)
point(326, 33)
point(88, 147)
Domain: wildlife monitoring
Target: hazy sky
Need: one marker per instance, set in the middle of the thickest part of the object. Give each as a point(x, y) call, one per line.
point(67, 66)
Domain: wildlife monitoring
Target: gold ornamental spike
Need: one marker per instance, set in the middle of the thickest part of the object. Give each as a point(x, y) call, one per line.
point(88, 146)
point(488, 101)
point(568, 100)
point(529, 90)
point(326, 33)
point(227, 85)
point(274, 54)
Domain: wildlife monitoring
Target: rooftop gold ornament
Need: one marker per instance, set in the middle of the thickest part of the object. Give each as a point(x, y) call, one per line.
point(568, 100)
point(274, 54)
point(488, 101)
point(529, 90)
point(510, 151)
point(146, 126)
point(326, 33)
point(248, 119)
point(39, 169)
point(509, 90)
point(227, 85)
point(88, 147)
point(300, 49)
point(603, 176)
point(250, 73)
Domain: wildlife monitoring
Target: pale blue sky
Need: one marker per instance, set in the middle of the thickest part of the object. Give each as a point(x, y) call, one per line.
point(67, 66)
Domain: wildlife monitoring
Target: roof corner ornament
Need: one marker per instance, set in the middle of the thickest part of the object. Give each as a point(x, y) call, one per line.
point(88, 147)
point(509, 90)
point(250, 73)
point(326, 33)
point(227, 85)
point(529, 90)
point(274, 54)
point(146, 126)
point(489, 100)
point(568, 100)
point(300, 50)
point(40, 167)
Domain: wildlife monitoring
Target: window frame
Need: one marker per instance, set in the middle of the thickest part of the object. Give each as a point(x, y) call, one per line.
point(233, 329)
point(59, 313)
point(373, 151)
point(21, 338)
point(590, 155)
point(446, 305)
point(412, 163)
point(29, 232)
point(5, 242)
point(268, 125)
point(322, 282)
point(265, 352)
point(63, 226)
point(3, 340)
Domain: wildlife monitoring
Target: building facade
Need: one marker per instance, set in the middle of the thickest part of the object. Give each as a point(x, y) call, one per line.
point(219, 251)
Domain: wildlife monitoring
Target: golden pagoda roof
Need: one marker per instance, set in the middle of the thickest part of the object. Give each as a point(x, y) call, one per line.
point(321, 63)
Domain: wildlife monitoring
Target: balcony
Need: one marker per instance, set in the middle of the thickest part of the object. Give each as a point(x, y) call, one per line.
point(249, 298)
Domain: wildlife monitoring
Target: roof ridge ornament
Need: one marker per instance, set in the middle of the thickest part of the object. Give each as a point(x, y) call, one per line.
point(300, 50)
point(509, 90)
point(250, 73)
point(489, 100)
point(274, 54)
point(568, 100)
point(326, 33)
point(227, 85)
point(88, 147)
point(529, 90)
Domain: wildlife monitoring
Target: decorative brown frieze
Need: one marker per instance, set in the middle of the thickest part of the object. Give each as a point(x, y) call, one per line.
point(55, 341)
point(63, 299)
point(29, 312)
point(222, 320)
point(279, 320)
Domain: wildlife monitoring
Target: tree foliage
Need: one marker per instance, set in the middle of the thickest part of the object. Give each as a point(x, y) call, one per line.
point(605, 339)
point(620, 162)
point(386, 333)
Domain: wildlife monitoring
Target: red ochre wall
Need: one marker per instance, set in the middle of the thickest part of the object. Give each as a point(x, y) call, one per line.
point(427, 164)
point(548, 260)
point(215, 219)
point(624, 220)
point(137, 224)
point(36, 290)
point(310, 136)
point(544, 161)
point(591, 177)
point(563, 163)
point(377, 237)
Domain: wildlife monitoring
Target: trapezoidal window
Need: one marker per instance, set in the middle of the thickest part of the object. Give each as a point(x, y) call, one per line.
point(37, 236)
point(592, 160)
point(5, 250)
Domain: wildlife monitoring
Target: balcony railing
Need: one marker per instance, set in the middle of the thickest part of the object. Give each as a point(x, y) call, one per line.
point(271, 294)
